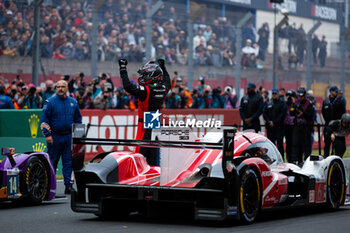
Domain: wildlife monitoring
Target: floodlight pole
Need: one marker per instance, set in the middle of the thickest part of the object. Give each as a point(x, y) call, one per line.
point(275, 48)
point(149, 15)
point(344, 47)
point(36, 41)
point(309, 52)
point(238, 70)
point(94, 36)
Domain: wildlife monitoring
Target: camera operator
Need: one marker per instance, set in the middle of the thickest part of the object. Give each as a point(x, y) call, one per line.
point(251, 108)
point(76, 82)
point(217, 101)
point(229, 99)
point(173, 99)
point(49, 90)
point(274, 113)
point(197, 99)
point(289, 122)
point(122, 100)
point(103, 80)
point(303, 113)
point(201, 85)
point(105, 99)
point(30, 98)
point(332, 109)
point(185, 95)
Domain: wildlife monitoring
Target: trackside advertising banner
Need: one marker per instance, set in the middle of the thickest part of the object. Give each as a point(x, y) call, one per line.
point(121, 124)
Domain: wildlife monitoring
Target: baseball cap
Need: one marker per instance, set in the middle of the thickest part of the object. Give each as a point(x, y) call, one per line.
point(179, 79)
point(201, 78)
point(251, 85)
point(334, 88)
point(249, 40)
point(274, 91)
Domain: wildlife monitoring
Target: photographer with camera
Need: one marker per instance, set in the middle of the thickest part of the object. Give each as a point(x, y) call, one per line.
point(30, 98)
point(99, 84)
point(274, 113)
point(173, 99)
point(217, 101)
point(122, 100)
point(201, 85)
point(303, 112)
point(229, 99)
point(251, 108)
point(77, 82)
point(289, 123)
point(105, 99)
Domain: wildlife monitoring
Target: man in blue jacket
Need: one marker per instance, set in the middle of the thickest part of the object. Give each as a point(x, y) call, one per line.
point(5, 101)
point(59, 113)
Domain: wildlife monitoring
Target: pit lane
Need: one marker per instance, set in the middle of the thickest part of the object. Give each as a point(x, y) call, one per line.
point(56, 216)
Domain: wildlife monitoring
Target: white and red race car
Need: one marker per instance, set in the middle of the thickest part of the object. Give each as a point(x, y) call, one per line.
point(224, 175)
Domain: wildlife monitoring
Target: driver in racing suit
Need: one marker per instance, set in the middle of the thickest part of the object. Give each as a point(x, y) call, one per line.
point(154, 84)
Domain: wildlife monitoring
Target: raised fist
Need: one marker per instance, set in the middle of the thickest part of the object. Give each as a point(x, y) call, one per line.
point(123, 63)
point(161, 62)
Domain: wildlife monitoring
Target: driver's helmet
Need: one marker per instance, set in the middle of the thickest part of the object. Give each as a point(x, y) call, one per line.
point(150, 73)
point(260, 152)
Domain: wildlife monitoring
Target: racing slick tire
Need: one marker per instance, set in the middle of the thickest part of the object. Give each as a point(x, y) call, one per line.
point(335, 185)
point(249, 196)
point(35, 181)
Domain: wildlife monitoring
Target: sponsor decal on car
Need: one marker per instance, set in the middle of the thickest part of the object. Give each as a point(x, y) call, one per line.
point(311, 196)
point(266, 173)
point(320, 192)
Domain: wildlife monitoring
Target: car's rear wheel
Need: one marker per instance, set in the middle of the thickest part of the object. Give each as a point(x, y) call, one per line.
point(249, 196)
point(335, 185)
point(36, 181)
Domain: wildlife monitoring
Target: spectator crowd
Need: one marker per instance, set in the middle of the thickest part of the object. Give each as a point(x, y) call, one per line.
point(101, 93)
point(66, 33)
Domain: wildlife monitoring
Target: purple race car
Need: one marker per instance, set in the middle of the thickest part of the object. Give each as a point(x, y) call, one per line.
point(29, 177)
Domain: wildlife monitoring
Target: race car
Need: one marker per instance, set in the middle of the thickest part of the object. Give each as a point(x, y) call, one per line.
point(221, 176)
point(26, 177)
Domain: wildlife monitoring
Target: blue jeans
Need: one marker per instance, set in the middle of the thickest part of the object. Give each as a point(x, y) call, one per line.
point(62, 147)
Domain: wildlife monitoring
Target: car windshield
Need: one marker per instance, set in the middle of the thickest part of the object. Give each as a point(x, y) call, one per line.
point(265, 150)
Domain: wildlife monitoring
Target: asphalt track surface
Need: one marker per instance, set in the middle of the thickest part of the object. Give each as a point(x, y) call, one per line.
point(56, 216)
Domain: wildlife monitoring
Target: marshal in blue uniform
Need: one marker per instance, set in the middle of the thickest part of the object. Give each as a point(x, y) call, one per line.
point(59, 113)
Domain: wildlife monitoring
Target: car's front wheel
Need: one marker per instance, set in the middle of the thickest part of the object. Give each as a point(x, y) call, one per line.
point(335, 185)
point(249, 196)
point(36, 181)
